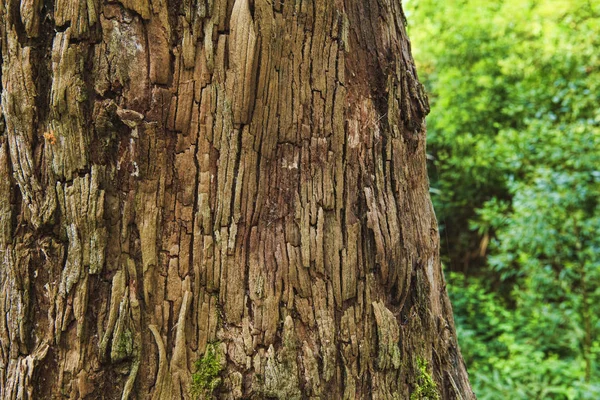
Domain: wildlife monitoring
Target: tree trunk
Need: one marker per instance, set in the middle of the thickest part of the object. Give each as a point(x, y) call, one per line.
point(219, 198)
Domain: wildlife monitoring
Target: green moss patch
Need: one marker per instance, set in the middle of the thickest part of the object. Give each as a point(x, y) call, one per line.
point(206, 379)
point(425, 389)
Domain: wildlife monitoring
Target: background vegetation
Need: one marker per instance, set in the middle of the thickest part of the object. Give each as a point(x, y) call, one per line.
point(514, 145)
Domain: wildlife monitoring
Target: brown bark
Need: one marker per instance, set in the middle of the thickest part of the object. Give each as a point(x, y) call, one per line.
point(244, 174)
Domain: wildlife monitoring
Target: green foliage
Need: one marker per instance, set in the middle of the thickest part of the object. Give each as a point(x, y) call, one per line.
point(528, 351)
point(499, 73)
point(514, 133)
point(206, 379)
point(425, 389)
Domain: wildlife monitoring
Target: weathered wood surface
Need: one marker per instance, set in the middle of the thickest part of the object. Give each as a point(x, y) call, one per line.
point(249, 173)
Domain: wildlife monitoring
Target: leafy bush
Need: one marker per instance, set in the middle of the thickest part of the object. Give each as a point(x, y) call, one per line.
point(507, 356)
point(514, 133)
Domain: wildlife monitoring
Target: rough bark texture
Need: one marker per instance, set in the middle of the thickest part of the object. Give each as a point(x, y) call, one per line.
point(242, 176)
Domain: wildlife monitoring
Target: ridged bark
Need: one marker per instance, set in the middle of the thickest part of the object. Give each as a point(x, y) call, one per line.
point(242, 176)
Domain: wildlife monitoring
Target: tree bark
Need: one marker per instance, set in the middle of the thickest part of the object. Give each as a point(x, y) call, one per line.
point(219, 198)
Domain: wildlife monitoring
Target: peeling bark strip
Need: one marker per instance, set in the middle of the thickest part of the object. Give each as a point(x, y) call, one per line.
point(248, 174)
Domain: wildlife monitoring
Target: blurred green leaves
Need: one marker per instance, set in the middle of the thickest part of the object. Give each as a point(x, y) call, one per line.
point(514, 139)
